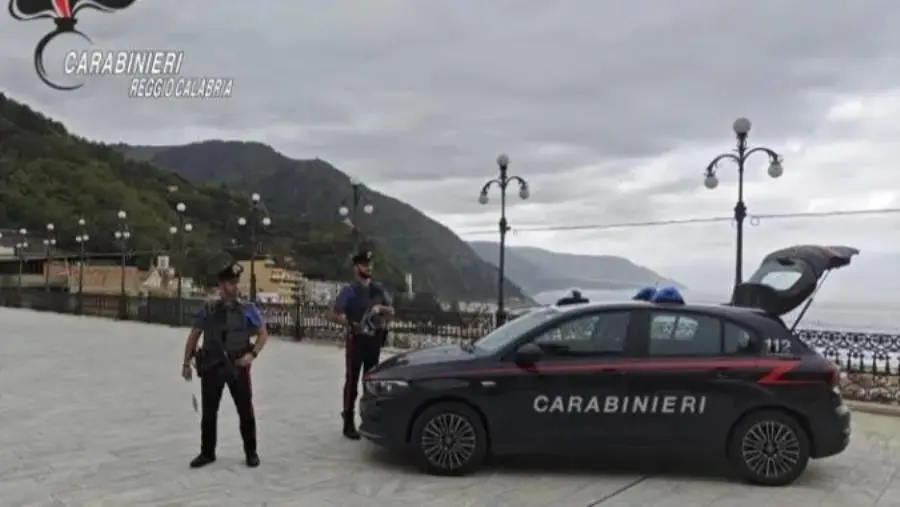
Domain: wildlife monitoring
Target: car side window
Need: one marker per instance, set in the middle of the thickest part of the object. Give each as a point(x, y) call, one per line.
point(677, 334)
point(593, 333)
point(739, 341)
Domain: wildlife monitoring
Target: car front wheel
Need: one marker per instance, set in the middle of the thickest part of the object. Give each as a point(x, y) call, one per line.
point(769, 448)
point(449, 439)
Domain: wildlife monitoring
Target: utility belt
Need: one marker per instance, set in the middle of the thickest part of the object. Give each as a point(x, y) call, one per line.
point(207, 360)
point(379, 334)
point(357, 335)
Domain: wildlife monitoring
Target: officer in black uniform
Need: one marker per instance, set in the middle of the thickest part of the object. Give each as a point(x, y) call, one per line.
point(227, 325)
point(574, 298)
point(359, 306)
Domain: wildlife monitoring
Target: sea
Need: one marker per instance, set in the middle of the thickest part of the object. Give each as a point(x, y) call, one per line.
point(832, 315)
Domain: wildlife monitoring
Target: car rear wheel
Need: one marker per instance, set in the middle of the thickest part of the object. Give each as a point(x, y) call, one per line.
point(769, 448)
point(449, 439)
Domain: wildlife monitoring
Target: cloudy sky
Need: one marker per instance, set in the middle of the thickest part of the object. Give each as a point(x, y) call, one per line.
point(611, 109)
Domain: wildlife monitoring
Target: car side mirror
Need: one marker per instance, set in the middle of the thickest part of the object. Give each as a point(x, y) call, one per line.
point(528, 354)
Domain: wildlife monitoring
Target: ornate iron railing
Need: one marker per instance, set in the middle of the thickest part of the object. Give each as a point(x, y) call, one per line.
point(869, 362)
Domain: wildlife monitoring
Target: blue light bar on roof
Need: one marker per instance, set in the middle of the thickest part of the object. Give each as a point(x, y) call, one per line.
point(645, 294)
point(668, 295)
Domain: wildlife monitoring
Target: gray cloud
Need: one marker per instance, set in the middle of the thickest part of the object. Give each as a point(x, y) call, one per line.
point(610, 109)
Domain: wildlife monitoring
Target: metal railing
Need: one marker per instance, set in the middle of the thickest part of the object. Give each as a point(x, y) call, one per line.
point(869, 362)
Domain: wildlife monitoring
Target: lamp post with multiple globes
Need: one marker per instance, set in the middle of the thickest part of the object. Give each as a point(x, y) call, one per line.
point(351, 212)
point(178, 233)
point(21, 248)
point(122, 235)
point(502, 182)
point(81, 238)
point(49, 246)
point(259, 217)
point(739, 156)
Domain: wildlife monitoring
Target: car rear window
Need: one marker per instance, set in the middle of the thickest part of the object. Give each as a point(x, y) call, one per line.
point(779, 275)
point(684, 334)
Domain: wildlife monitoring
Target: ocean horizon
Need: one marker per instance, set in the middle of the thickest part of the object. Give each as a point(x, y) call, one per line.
point(824, 314)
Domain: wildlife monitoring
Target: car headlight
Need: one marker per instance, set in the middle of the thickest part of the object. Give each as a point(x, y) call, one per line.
point(385, 387)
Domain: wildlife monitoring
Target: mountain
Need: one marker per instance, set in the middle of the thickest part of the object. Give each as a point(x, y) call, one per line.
point(537, 270)
point(49, 175)
point(313, 190)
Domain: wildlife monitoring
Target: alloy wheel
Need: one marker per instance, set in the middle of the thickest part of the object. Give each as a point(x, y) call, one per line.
point(448, 441)
point(770, 449)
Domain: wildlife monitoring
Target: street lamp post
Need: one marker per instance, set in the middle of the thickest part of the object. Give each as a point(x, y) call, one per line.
point(21, 247)
point(739, 156)
point(122, 236)
point(81, 238)
point(502, 182)
point(259, 216)
point(178, 232)
point(49, 244)
point(351, 213)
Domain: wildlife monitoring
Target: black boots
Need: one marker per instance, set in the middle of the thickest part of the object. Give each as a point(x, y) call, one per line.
point(202, 460)
point(350, 426)
point(251, 458)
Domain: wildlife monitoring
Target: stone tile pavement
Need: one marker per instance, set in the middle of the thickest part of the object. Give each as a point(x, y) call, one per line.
point(93, 413)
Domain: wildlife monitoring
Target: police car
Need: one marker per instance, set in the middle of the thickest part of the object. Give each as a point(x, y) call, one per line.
point(732, 382)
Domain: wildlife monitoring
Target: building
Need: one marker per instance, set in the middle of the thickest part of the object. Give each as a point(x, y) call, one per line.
point(275, 282)
point(162, 280)
point(100, 279)
point(322, 291)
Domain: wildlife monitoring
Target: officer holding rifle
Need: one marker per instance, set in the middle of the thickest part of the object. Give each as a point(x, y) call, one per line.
point(363, 306)
point(227, 326)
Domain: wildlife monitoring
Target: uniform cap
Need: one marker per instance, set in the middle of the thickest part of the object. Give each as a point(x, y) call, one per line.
point(363, 257)
point(227, 269)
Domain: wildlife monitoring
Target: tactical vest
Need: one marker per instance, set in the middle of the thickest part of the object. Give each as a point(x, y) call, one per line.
point(227, 324)
point(364, 298)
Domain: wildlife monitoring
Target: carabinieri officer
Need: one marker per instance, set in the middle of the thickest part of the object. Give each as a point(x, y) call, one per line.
point(359, 306)
point(227, 326)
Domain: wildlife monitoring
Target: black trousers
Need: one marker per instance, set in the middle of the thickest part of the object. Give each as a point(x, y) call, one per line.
point(360, 355)
point(212, 384)
point(382, 335)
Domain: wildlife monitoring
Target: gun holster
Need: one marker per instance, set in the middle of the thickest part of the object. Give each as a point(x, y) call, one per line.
point(202, 362)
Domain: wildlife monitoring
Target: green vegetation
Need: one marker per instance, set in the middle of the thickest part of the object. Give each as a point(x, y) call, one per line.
point(48, 175)
point(440, 262)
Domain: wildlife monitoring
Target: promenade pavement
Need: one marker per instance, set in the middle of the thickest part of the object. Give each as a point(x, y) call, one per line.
point(93, 413)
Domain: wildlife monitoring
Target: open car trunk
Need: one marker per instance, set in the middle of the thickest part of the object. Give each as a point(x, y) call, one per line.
point(789, 277)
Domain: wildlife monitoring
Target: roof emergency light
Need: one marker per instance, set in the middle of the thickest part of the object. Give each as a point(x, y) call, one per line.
point(668, 295)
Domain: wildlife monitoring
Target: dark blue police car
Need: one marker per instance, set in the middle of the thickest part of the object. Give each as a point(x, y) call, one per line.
point(731, 381)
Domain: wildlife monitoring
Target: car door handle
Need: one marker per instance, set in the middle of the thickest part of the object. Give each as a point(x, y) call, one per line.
point(722, 373)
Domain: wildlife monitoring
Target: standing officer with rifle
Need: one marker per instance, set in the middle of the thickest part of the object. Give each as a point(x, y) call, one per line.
point(359, 306)
point(227, 325)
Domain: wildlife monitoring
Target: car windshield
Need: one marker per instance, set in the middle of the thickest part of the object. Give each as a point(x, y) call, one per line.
point(509, 332)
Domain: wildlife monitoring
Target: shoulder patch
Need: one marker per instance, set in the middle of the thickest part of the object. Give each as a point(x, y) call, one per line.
point(253, 315)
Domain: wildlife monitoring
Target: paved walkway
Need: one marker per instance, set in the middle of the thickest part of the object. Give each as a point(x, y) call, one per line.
point(93, 413)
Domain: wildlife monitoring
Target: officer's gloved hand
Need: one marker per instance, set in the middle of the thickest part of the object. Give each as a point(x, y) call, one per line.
point(355, 327)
